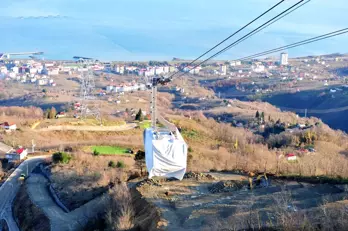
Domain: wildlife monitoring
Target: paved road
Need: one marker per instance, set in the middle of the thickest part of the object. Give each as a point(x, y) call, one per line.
point(89, 128)
point(60, 220)
point(9, 189)
point(315, 111)
point(4, 148)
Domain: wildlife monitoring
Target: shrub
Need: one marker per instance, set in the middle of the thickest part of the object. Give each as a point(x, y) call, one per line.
point(140, 155)
point(139, 116)
point(112, 164)
point(120, 213)
point(52, 113)
point(61, 157)
point(96, 153)
point(189, 149)
point(120, 164)
point(280, 140)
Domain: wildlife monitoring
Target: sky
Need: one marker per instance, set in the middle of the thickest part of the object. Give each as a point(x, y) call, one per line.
point(137, 30)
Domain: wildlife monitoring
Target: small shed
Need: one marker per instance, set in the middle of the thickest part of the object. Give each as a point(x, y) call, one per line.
point(291, 157)
point(61, 115)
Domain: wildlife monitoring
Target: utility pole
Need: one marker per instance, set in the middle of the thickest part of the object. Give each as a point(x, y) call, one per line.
point(32, 146)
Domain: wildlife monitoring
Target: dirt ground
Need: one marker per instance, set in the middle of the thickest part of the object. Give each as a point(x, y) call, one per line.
point(190, 205)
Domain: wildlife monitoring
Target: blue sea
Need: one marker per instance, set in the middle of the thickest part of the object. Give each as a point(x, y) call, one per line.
point(159, 30)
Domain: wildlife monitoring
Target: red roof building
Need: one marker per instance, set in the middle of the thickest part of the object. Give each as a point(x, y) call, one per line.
point(291, 157)
point(20, 151)
point(9, 126)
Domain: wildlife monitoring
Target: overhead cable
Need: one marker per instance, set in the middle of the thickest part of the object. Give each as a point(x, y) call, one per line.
point(263, 26)
point(293, 45)
point(248, 24)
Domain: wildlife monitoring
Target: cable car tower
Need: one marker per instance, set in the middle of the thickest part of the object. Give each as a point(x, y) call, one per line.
point(155, 81)
point(165, 148)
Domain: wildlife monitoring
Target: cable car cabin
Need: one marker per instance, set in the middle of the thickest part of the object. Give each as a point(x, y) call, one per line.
point(165, 153)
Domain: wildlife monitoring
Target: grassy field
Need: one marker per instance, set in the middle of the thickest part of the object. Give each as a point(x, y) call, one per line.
point(109, 150)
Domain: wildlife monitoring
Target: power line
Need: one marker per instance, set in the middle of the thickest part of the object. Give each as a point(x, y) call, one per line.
point(263, 26)
point(272, 22)
point(301, 43)
point(234, 33)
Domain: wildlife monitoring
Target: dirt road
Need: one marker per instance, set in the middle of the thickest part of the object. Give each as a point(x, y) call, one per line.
point(89, 128)
point(60, 220)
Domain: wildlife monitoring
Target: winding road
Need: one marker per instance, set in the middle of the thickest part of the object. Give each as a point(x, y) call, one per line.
point(60, 220)
point(9, 189)
point(315, 111)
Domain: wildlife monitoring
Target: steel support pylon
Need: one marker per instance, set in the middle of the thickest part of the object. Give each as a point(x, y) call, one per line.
point(88, 107)
point(154, 106)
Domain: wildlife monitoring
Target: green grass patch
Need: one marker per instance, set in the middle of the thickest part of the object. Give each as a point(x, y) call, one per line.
point(147, 124)
point(109, 150)
point(191, 134)
point(144, 124)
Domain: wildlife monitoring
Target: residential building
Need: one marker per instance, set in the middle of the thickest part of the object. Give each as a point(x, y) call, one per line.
point(149, 72)
point(159, 70)
point(53, 71)
point(9, 126)
point(258, 68)
point(166, 69)
point(16, 155)
point(119, 69)
point(49, 64)
point(15, 70)
point(192, 70)
point(3, 70)
point(109, 88)
point(98, 67)
point(172, 69)
point(131, 68)
point(223, 69)
point(12, 75)
point(42, 82)
point(33, 70)
point(284, 59)
point(61, 115)
point(235, 63)
point(291, 157)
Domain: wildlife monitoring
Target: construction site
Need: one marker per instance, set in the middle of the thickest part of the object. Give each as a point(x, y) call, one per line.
point(224, 201)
